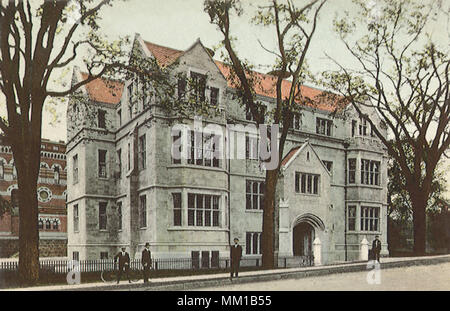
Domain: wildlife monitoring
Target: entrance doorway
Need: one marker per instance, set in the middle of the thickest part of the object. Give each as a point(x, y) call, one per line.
point(303, 239)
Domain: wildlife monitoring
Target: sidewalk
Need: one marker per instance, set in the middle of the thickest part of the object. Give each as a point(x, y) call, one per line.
point(210, 280)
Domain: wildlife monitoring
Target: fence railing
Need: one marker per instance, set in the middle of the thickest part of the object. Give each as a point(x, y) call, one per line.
point(64, 265)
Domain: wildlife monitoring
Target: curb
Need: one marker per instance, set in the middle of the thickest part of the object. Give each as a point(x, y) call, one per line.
point(272, 276)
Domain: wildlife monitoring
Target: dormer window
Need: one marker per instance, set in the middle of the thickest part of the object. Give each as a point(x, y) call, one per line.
point(363, 127)
point(214, 96)
point(323, 126)
point(198, 86)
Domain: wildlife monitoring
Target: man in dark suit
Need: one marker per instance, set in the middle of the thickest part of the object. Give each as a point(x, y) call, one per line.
point(376, 248)
point(235, 257)
point(124, 264)
point(146, 261)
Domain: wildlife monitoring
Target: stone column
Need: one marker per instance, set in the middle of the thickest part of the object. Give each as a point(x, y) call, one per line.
point(317, 251)
point(364, 250)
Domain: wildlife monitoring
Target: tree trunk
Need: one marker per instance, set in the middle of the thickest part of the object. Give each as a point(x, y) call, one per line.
point(268, 233)
point(26, 152)
point(28, 231)
point(419, 203)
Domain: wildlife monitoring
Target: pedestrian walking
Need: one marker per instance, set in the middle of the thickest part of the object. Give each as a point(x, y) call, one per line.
point(124, 264)
point(376, 248)
point(235, 257)
point(146, 261)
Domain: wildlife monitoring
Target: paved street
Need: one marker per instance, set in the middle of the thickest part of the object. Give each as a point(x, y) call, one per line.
point(433, 277)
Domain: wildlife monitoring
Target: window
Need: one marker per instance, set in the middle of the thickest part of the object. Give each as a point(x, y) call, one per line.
point(369, 218)
point(195, 257)
point(353, 127)
point(119, 215)
point(203, 210)
point(76, 256)
point(76, 218)
point(55, 224)
point(102, 163)
point(103, 255)
point(75, 168)
point(254, 195)
point(176, 209)
point(102, 218)
point(296, 121)
point(351, 171)
point(306, 183)
point(48, 224)
point(40, 224)
point(205, 259)
point(249, 115)
point(251, 147)
point(56, 175)
point(2, 169)
point(130, 95)
point(119, 116)
point(370, 172)
point(15, 198)
point(362, 127)
point(101, 119)
point(198, 86)
point(214, 96)
point(323, 126)
point(203, 147)
point(119, 163)
point(142, 211)
point(142, 153)
point(214, 259)
point(351, 218)
point(174, 139)
point(253, 243)
point(181, 89)
point(129, 157)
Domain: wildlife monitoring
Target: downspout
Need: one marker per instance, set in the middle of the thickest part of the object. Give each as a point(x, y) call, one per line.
point(346, 145)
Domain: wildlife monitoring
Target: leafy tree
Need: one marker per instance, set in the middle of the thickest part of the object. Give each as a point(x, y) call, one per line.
point(39, 40)
point(402, 71)
point(295, 28)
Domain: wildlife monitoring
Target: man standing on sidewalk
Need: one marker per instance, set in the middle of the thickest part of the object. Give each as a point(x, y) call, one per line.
point(146, 260)
point(376, 248)
point(235, 257)
point(124, 263)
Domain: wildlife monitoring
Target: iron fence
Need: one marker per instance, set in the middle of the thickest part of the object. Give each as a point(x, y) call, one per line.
point(64, 266)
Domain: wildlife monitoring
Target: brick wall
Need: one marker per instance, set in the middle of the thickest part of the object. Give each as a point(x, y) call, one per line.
point(47, 248)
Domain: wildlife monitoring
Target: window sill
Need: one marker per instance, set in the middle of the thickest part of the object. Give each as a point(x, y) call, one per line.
point(308, 194)
point(103, 230)
point(257, 211)
point(195, 228)
point(365, 186)
point(193, 166)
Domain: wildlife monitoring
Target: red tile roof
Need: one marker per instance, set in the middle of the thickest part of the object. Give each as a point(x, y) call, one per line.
point(289, 155)
point(164, 56)
point(103, 90)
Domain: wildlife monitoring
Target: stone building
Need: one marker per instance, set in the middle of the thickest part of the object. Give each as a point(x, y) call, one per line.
point(126, 189)
point(52, 221)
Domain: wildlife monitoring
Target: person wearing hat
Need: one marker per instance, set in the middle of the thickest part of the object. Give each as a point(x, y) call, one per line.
point(124, 264)
point(146, 261)
point(376, 248)
point(235, 257)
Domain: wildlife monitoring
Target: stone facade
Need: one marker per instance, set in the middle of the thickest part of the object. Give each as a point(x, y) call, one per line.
point(123, 194)
point(52, 220)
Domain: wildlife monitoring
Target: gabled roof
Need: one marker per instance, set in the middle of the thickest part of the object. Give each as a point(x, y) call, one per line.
point(164, 56)
point(294, 152)
point(103, 90)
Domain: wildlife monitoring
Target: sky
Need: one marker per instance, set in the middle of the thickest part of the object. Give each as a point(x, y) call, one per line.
point(179, 23)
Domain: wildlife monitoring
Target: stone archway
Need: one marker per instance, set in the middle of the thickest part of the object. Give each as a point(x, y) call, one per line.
point(305, 228)
point(303, 237)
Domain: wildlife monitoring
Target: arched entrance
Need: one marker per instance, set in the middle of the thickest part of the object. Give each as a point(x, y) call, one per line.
point(303, 238)
point(305, 228)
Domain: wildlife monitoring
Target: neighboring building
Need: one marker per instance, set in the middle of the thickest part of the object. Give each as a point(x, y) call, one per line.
point(52, 221)
point(125, 189)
